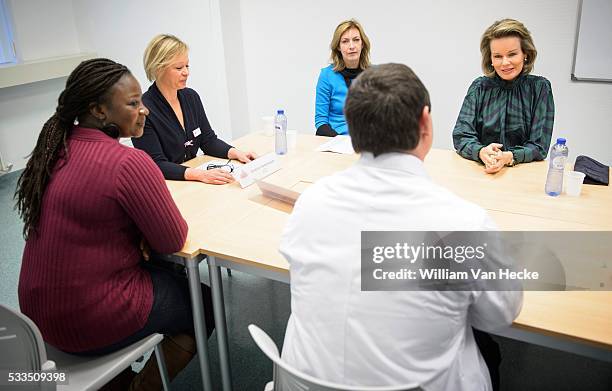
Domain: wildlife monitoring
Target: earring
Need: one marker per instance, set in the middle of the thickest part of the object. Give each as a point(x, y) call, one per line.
point(525, 59)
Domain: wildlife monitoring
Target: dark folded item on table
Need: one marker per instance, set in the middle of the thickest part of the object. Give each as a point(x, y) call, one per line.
point(326, 130)
point(596, 172)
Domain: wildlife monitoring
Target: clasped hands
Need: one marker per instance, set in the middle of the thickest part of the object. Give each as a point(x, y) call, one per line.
point(494, 158)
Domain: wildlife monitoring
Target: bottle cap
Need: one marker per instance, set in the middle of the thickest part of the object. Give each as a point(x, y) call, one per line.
point(561, 141)
point(279, 111)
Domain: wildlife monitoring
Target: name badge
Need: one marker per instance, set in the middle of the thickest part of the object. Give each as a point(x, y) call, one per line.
point(197, 132)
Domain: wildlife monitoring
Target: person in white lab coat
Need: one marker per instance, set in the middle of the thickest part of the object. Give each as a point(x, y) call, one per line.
point(336, 331)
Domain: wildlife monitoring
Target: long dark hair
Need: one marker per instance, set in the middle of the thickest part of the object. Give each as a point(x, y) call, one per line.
point(89, 82)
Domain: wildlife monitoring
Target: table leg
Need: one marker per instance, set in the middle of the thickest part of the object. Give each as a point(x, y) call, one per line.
point(220, 323)
point(199, 323)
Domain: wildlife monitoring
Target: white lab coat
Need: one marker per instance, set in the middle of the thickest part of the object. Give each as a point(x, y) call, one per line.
point(338, 333)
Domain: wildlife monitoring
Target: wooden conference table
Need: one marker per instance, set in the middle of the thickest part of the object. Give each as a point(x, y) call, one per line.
point(240, 229)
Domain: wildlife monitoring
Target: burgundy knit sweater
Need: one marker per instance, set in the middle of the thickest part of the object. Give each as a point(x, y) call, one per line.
point(80, 277)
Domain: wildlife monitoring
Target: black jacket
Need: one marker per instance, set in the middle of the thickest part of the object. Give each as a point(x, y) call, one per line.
point(165, 140)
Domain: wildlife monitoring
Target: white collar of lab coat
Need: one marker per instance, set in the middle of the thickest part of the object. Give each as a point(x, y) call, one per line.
point(398, 161)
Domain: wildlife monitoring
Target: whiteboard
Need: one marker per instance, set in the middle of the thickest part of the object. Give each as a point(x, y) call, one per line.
point(593, 49)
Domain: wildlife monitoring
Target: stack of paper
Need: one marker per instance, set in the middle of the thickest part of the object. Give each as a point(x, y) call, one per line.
point(338, 144)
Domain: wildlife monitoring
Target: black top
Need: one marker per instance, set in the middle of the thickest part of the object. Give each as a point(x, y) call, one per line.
point(349, 74)
point(165, 140)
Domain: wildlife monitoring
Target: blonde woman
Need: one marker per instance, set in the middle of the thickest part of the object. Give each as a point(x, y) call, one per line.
point(508, 114)
point(350, 55)
point(177, 125)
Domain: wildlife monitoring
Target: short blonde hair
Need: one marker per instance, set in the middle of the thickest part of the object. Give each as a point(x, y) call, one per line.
point(159, 52)
point(336, 54)
point(507, 28)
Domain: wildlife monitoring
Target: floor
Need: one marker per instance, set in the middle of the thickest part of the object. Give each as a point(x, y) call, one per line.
point(266, 303)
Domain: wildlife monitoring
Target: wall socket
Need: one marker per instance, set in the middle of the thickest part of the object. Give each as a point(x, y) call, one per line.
point(6, 169)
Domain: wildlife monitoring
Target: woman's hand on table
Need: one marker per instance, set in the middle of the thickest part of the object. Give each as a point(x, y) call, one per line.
point(216, 176)
point(244, 157)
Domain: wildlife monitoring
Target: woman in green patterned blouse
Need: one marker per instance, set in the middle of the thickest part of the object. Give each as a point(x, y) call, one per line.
point(507, 116)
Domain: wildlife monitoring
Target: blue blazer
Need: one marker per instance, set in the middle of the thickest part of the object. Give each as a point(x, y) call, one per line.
point(331, 94)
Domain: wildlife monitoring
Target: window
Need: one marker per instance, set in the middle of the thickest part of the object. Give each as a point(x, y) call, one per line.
point(7, 49)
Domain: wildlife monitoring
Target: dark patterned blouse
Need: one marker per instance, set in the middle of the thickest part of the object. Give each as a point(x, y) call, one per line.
point(518, 114)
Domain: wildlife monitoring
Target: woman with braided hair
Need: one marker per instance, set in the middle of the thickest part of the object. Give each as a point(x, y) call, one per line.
point(88, 204)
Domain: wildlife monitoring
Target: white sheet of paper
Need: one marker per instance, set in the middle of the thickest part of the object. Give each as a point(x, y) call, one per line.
point(338, 144)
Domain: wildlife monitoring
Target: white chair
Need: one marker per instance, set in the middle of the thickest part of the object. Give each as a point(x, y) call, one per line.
point(23, 348)
point(286, 378)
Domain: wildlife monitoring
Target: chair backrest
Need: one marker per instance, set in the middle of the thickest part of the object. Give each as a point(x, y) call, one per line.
point(21, 343)
point(287, 378)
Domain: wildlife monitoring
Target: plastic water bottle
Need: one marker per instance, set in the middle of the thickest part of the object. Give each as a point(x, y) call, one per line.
point(280, 132)
point(558, 157)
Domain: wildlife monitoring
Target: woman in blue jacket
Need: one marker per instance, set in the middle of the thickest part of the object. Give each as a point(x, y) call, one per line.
point(350, 55)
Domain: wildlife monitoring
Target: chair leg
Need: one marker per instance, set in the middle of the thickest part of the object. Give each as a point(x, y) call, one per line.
point(163, 371)
point(177, 351)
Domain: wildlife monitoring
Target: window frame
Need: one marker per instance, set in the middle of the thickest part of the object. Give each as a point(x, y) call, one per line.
point(8, 53)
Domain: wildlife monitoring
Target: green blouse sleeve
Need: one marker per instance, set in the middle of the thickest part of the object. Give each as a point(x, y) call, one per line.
point(465, 137)
point(537, 145)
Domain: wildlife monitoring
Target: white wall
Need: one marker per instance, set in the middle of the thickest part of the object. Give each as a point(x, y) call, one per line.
point(249, 58)
point(286, 43)
point(43, 29)
point(24, 109)
point(118, 30)
point(231, 24)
